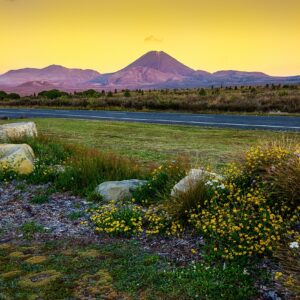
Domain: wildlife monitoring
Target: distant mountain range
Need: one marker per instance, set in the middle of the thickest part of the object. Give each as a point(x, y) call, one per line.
point(154, 70)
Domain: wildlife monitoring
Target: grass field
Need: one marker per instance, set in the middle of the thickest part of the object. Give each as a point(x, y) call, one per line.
point(157, 143)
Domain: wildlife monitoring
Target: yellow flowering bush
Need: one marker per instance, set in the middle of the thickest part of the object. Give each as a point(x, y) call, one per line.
point(274, 169)
point(158, 221)
point(129, 219)
point(262, 158)
point(117, 218)
point(238, 223)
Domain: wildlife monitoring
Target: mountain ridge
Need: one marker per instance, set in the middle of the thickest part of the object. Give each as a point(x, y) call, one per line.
point(154, 69)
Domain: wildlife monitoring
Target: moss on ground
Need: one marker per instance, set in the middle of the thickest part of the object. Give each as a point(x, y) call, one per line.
point(112, 270)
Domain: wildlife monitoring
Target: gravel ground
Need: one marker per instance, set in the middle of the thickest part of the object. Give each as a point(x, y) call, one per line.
point(16, 209)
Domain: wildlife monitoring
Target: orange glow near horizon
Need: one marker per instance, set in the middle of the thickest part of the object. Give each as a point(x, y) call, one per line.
point(106, 35)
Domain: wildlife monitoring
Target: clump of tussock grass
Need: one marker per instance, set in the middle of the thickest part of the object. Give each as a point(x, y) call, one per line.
point(77, 168)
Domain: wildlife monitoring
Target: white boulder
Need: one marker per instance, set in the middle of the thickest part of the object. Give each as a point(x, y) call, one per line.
point(191, 179)
point(118, 190)
point(17, 130)
point(18, 158)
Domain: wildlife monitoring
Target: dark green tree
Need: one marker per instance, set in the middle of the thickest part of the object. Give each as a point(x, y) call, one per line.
point(89, 94)
point(52, 94)
point(13, 96)
point(127, 93)
point(202, 92)
point(3, 95)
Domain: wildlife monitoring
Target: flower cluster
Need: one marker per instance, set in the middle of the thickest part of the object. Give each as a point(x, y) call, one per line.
point(158, 221)
point(129, 219)
point(239, 223)
point(259, 157)
point(117, 219)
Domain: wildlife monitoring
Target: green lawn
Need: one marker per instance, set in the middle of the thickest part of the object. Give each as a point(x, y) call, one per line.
point(157, 143)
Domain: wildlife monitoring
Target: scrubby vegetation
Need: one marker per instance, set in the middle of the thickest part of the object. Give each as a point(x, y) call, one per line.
point(265, 99)
point(74, 168)
point(247, 214)
point(242, 208)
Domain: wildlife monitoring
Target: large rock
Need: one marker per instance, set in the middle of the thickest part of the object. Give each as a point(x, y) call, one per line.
point(17, 130)
point(118, 190)
point(18, 158)
point(191, 179)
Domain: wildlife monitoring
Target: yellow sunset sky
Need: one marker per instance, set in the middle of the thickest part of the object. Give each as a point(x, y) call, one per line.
point(106, 35)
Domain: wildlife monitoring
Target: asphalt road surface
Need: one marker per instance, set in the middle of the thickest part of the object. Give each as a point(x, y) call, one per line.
point(234, 121)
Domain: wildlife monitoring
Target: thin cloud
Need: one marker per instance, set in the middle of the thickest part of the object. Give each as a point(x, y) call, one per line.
point(153, 39)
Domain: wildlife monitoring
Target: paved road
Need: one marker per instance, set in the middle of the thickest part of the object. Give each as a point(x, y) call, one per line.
point(233, 121)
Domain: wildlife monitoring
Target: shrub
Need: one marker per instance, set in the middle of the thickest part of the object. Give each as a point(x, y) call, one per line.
point(158, 221)
point(255, 206)
point(127, 219)
point(52, 94)
point(283, 186)
point(238, 223)
point(182, 203)
point(117, 219)
point(3, 95)
point(127, 93)
point(89, 94)
point(275, 169)
point(202, 92)
point(261, 159)
point(160, 183)
point(13, 96)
